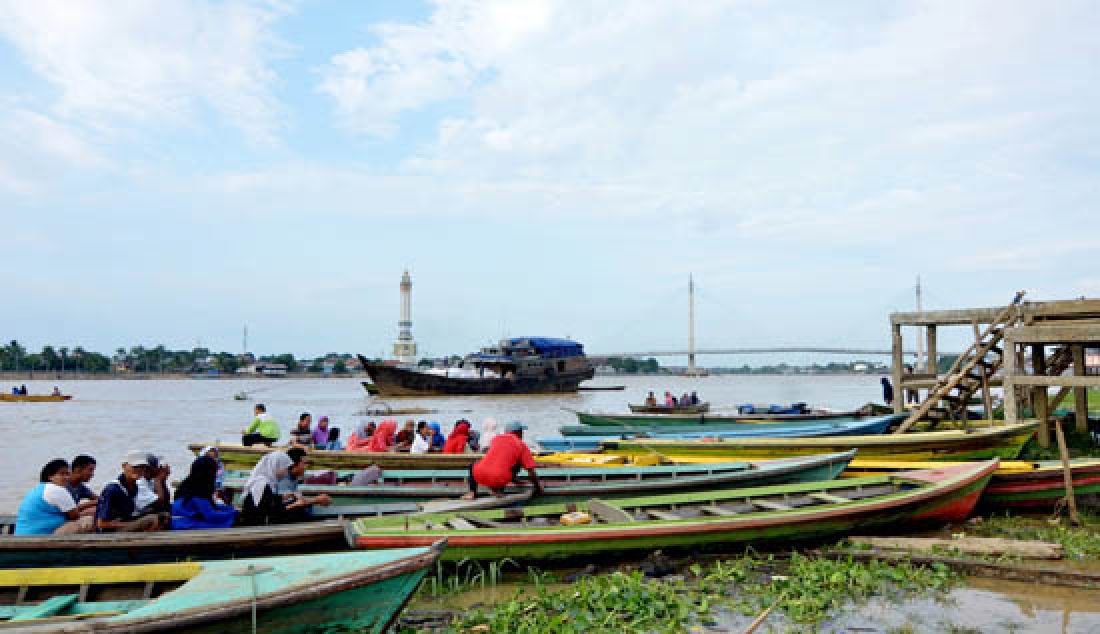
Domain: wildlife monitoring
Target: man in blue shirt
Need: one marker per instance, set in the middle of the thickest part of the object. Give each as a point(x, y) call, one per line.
point(82, 472)
point(116, 510)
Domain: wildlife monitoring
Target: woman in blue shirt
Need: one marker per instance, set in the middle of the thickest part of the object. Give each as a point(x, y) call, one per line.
point(195, 506)
point(49, 507)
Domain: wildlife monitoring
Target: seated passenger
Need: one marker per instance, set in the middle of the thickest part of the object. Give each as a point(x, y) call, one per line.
point(320, 439)
point(382, 440)
point(438, 438)
point(359, 440)
point(117, 509)
point(651, 400)
point(302, 434)
point(81, 473)
point(406, 436)
point(263, 504)
point(334, 443)
point(694, 398)
point(459, 438)
point(422, 442)
point(670, 400)
point(49, 508)
point(216, 455)
point(56, 391)
point(153, 495)
point(196, 506)
point(262, 431)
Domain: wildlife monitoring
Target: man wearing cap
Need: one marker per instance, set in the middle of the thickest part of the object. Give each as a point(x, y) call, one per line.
point(507, 454)
point(116, 510)
point(153, 495)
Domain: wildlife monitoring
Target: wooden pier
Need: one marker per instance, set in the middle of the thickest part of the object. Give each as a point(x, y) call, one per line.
point(1024, 347)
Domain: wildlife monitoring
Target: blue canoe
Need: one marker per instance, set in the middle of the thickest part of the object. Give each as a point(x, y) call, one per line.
point(847, 427)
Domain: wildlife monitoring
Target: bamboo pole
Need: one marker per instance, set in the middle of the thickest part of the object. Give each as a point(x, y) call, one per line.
point(1067, 475)
point(987, 400)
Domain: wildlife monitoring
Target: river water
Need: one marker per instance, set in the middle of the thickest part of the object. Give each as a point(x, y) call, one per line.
point(108, 418)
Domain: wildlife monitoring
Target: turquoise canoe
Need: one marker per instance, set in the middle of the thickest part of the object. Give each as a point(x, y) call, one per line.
point(361, 591)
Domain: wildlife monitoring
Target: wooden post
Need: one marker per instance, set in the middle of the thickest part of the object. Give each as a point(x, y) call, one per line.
point(1008, 383)
point(933, 357)
point(896, 371)
point(1039, 394)
point(987, 400)
point(1067, 475)
point(1080, 394)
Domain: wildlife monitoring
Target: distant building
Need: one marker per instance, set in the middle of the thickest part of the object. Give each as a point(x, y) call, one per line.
point(264, 368)
point(405, 347)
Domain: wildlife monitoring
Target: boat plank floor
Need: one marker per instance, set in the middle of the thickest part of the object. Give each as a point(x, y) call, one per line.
point(771, 505)
point(719, 511)
point(665, 515)
point(461, 524)
point(829, 498)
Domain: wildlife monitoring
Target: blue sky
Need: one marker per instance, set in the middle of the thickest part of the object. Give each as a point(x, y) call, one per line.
point(170, 171)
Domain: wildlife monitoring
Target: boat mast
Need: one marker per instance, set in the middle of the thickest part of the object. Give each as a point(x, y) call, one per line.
point(691, 326)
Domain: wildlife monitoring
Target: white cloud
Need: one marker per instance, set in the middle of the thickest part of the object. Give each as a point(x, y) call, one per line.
point(35, 148)
point(115, 64)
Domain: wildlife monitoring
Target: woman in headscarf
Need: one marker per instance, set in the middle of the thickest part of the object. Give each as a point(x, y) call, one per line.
point(215, 454)
point(437, 436)
point(359, 440)
point(382, 439)
point(195, 506)
point(456, 442)
point(261, 498)
point(320, 434)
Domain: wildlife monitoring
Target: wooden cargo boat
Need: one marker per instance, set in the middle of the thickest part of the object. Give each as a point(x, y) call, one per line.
point(869, 426)
point(1005, 442)
point(34, 398)
point(360, 591)
point(165, 546)
point(695, 520)
point(1016, 484)
point(566, 485)
point(670, 410)
point(645, 420)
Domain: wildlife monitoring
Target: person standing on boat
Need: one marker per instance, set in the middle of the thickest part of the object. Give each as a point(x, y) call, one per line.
point(502, 462)
point(117, 509)
point(81, 473)
point(196, 506)
point(262, 431)
point(49, 508)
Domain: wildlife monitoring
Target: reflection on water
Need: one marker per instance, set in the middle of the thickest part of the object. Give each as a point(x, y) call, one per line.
point(108, 418)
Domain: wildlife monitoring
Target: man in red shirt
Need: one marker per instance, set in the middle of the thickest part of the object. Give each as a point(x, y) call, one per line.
point(507, 454)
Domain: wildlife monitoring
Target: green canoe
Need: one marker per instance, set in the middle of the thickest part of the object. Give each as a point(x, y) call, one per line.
point(695, 520)
point(360, 591)
point(572, 485)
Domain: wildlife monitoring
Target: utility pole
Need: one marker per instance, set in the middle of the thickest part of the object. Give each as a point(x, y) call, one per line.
point(920, 339)
point(691, 325)
point(244, 342)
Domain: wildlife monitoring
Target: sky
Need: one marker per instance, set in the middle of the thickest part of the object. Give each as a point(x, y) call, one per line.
point(171, 171)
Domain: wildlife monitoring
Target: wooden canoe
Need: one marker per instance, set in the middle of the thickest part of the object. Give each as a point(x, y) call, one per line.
point(617, 420)
point(670, 410)
point(34, 398)
point(166, 546)
point(1005, 442)
point(696, 520)
point(567, 485)
point(814, 427)
point(868, 426)
point(361, 591)
point(1016, 484)
point(241, 457)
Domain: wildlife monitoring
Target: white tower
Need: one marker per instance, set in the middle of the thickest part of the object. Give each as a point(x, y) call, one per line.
point(405, 348)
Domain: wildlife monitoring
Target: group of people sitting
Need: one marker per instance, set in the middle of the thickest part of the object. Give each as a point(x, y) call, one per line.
point(414, 437)
point(671, 400)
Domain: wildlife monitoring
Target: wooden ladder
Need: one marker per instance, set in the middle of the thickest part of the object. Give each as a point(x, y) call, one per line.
point(983, 358)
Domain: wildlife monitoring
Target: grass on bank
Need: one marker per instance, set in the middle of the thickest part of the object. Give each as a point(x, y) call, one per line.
point(806, 591)
point(1080, 543)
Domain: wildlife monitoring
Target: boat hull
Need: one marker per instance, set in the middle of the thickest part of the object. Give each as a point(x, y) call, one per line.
point(169, 546)
point(950, 496)
point(872, 424)
point(1044, 487)
point(645, 420)
point(670, 410)
point(396, 381)
point(34, 398)
point(578, 485)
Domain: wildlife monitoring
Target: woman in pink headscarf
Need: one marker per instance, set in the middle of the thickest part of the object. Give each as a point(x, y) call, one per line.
point(382, 440)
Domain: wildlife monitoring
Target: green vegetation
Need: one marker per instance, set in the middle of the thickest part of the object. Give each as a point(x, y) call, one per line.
point(14, 357)
point(806, 590)
point(1079, 444)
point(1069, 403)
point(628, 365)
point(1078, 542)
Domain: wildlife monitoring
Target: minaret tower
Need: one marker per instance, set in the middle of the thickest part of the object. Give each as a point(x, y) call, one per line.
point(405, 348)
